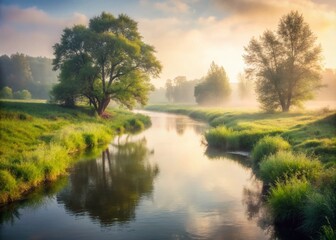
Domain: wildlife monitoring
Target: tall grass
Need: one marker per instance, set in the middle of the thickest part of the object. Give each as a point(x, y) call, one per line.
point(287, 200)
point(284, 164)
point(222, 137)
point(267, 146)
point(319, 211)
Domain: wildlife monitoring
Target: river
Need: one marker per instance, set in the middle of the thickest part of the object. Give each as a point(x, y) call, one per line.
point(160, 184)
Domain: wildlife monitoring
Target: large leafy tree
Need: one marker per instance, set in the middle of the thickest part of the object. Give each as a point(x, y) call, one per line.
point(285, 64)
point(105, 61)
point(215, 89)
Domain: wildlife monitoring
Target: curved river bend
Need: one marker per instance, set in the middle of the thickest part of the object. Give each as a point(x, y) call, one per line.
point(160, 184)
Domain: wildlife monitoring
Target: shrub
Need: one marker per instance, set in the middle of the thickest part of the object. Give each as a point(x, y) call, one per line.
point(287, 200)
point(135, 125)
point(222, 137)
point(284, 164)
point(267, 146)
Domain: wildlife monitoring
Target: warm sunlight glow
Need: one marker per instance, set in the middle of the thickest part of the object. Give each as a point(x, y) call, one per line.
point(187, 34)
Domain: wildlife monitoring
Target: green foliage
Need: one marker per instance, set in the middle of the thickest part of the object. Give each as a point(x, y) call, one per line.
point(328, 233)
point(319, 211)
point(215, 89)
point(6, 92)
point(35, 74)
point(287, 200)
point(105, 61)
point(286, 64)
point(222, 137)
point(285, 164)
point(267, 146)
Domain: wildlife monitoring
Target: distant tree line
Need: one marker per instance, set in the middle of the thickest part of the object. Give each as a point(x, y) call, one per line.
point(180, 90)
point(23, 74)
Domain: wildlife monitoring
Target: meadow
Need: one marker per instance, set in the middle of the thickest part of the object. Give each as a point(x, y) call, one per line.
point(293, 153)
point(41, 141)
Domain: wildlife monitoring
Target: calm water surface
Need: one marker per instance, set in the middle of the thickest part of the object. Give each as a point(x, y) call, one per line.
point(160, 184)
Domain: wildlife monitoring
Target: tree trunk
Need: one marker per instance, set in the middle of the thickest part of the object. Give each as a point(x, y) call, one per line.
point(103, 105)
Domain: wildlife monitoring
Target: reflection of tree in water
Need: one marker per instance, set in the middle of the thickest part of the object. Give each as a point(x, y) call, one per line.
point(109, 189)
point(180, 124)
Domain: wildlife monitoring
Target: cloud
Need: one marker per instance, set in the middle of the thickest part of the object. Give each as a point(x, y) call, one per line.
point(188, 46)
point(32, 31)
point(172, 6)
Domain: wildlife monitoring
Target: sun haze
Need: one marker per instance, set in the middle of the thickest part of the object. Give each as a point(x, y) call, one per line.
point(187, 34)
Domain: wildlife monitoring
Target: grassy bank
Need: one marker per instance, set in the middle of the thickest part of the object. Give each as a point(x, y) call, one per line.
point(40, 141)
point(294, 154)
point(313, 132)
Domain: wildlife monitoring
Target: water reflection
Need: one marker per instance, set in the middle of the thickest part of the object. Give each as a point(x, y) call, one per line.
point(11, 213)
point(109, 188)
point(179, 124)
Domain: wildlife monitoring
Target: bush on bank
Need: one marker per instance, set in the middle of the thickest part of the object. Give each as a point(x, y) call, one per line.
point(282, 165)
point(267, 146)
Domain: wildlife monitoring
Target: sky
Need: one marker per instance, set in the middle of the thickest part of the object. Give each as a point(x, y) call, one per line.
point(187, 34)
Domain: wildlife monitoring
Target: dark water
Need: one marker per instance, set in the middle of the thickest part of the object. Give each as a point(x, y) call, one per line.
point(160, 184)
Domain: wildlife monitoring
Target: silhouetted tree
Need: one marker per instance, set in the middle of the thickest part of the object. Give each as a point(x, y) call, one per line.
point(285, 64)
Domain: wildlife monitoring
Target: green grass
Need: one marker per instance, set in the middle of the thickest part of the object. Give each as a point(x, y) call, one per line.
point(284, 164)
point(267, 146)
point(313, 132)
point(287, 200)
point(319, 211)
point(41, 141)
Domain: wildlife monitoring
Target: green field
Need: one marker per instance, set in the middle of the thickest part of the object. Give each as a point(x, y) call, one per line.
point(40, 141)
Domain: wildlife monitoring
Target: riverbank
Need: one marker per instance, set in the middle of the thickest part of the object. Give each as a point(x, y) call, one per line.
point(294, 154)
point(41, 141)
point(313, 131)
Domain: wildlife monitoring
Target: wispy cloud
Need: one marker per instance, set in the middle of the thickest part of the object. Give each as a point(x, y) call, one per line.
point(170, 6)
